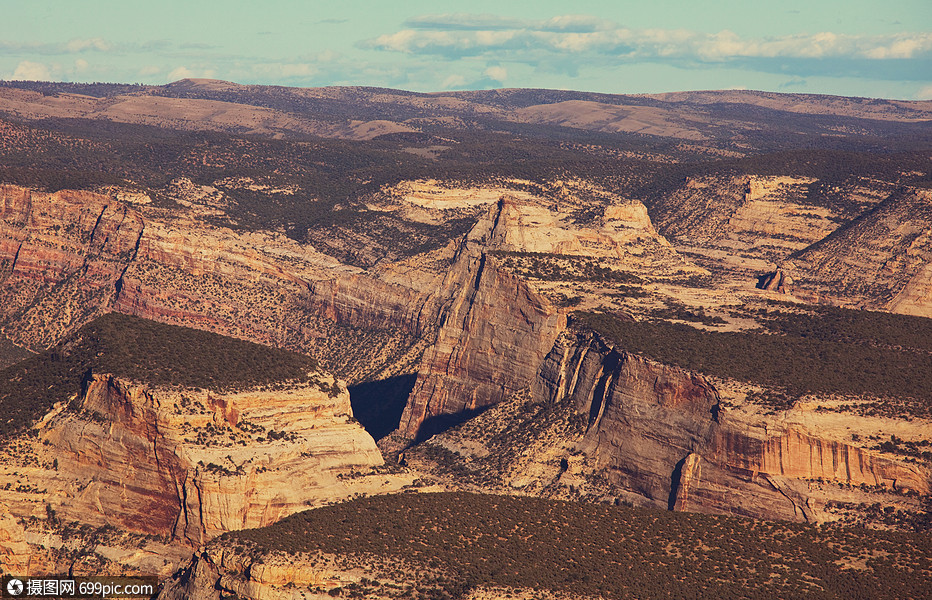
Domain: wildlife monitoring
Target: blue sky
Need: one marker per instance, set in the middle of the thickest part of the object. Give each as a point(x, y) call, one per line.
point(850, 47)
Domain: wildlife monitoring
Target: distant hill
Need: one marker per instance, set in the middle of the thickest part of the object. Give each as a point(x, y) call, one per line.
point(734, 118)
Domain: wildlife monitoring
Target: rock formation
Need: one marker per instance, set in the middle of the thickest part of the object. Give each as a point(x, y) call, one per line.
point(777, 281)
point(185, 465)
point(68, 256)
point(879, 261)
point(664, 434)
point(496, 328)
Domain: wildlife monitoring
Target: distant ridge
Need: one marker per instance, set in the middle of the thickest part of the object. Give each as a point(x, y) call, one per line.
point(362, 113)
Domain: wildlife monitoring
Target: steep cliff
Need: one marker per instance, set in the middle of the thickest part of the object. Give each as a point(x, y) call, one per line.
point(184, 466)
point(494, 334)
point(66, 257)
point(494, 331)
point(666, 435)
point(500, 315)
point(602, 424)
point(59, 258)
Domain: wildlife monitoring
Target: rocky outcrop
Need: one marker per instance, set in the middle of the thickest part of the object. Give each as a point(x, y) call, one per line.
point(216, 572)
point(915, 298)
point(495, 329)
point(878, 261)
point(494, 334)
point(187, 465)
point(643, 418)
point(776, 281)
point(743, 224)
point(663, 437)
point(68, 256)
point(496, 326)
point(60, 255)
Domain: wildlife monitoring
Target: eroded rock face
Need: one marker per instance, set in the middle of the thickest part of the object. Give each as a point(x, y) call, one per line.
point(186, 465)
point(777, 281)
point(497, 327)
point(880, 260)
point(69, 256)
point(494, 334)
point(643, 418)
point(663, 434)
point(60, 255)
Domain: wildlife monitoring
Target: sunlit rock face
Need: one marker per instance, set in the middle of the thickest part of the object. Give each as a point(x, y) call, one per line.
point(665, 435)
point(183, 465)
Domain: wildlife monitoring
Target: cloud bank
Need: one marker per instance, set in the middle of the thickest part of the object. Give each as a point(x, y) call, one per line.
point(578, 40)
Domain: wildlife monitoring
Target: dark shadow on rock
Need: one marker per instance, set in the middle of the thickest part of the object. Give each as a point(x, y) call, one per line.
point(378, 405)
point(434, 425)
point(675, 482)
point(609, 364)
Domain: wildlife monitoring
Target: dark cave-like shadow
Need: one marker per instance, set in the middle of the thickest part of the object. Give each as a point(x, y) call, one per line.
point(378, 405)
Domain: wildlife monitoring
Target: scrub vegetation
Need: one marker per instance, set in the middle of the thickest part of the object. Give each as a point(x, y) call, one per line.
point(604, 551)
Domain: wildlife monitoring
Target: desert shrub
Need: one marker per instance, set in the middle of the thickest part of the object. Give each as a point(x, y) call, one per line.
point(608, 551)
point(141, 350)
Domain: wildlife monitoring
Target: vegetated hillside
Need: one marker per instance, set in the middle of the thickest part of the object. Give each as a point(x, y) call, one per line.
point(857, 327)
point(830, 350)
point(10, 353)
point(141, 350)
point(606, 551)
point(734, 120)
point(330, 181)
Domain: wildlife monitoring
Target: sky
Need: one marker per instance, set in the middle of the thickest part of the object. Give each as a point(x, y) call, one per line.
point(843, 47)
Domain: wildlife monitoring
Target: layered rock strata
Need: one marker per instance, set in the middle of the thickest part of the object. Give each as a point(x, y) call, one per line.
point(186, 465)
point(881, 260)
point(67, 256)
point(664, 435)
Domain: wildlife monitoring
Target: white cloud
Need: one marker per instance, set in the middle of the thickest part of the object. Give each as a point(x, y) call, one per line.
point(583, 38)
point(180, 73)
point(149, 70)
point(497, 73)
point(467, 22)
point(32, 71)
point(81, 64)
point(80, 45)
point(924, 93)
point(453, 81)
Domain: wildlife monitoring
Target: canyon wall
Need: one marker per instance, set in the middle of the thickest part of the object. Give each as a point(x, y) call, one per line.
point(494, 331)
point(186, 465)
point(879, 260)
point(492, 337)
point(664, 435)
point(68, 256)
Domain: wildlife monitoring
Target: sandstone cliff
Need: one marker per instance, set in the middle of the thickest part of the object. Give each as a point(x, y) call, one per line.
point(666, 435)
point(744, 224)
point(493, 335)
point(879, 261)
point(601, 424)
point(497, 321)
point(68, 256)
point(183, 466)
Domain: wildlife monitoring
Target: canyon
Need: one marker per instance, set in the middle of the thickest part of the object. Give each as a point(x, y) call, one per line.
point(472, 289)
